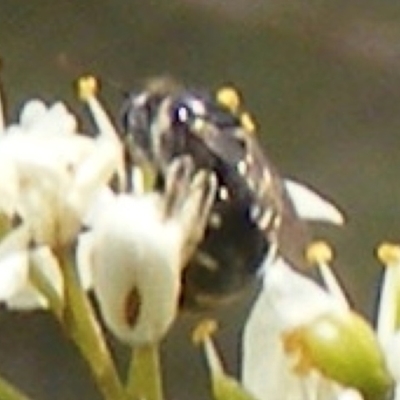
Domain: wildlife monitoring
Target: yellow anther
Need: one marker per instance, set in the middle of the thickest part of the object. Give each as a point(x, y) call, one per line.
point(247, 122)
point(204, 330)
point(388, 253)
point(319, 252)
point(87, 87)
point(229, 98)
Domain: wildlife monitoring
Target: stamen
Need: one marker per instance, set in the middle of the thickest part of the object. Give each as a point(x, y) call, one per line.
point(202, 335)
point(387, 318)
point(320, 254)
point(204, 330)
point(229, 98)
point(247, 122)
point(389, 253)
point(88, 87)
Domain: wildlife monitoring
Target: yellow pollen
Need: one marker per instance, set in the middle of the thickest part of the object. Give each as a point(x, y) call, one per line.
point(295, 347)
point(204, 330)
point(229, 98)
point(87, 87)
point(319, 252)
point(247, 122)
point(388, 253)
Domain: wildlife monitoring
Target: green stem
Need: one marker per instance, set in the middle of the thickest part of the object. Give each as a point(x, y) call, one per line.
point(9, 392)
point(144, 379)
point(81, 323)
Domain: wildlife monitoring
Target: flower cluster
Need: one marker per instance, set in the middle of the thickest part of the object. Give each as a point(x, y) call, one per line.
point(50, 176)
point(303, 341)
point(70, 222)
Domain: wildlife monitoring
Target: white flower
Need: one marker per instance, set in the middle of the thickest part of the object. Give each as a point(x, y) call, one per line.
point(304, 342)
point(50, 173)
point(287, 300)
point(296, 339)
point(50, 176)
point(137, 248)
point(280, 361)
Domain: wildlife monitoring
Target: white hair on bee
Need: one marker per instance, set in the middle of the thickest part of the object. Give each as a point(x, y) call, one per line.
point(197, 107)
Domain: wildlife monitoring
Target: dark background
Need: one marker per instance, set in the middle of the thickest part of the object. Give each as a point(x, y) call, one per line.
point(322, 79)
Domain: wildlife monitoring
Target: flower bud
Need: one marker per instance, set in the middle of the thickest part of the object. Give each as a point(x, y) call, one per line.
point(342, 347)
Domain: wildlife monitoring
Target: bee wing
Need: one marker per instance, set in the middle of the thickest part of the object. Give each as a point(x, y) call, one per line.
point(272, 209)
point(293, 236)
point(286, 228)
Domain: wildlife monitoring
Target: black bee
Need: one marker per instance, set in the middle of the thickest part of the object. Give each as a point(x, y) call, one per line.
point(252, 216)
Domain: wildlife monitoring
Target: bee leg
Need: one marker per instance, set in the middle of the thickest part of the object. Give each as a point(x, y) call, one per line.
point(196, 211)
point(189, 197)
point(178, 178)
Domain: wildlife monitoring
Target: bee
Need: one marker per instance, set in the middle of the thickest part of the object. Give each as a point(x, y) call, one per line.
point(252, 217)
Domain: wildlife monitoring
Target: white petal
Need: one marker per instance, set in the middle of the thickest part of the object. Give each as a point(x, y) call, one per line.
point(135, 249)
point(63, 121)
point(28, 297)
point(12, 129)
point(37, 118)
point(15, 288)
point(397, 392)
point(265, 368)
point(296, 298)
point(41, 205)
point(350, 394)
point(9, 187)
point(15, 241)
point(92, 175)
point(52, 181)
point(311, 205)
point(84, 259)
point(13, 274)
point(32, 112)
point(49, 266)
point(287, 300)
point(103, 198)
